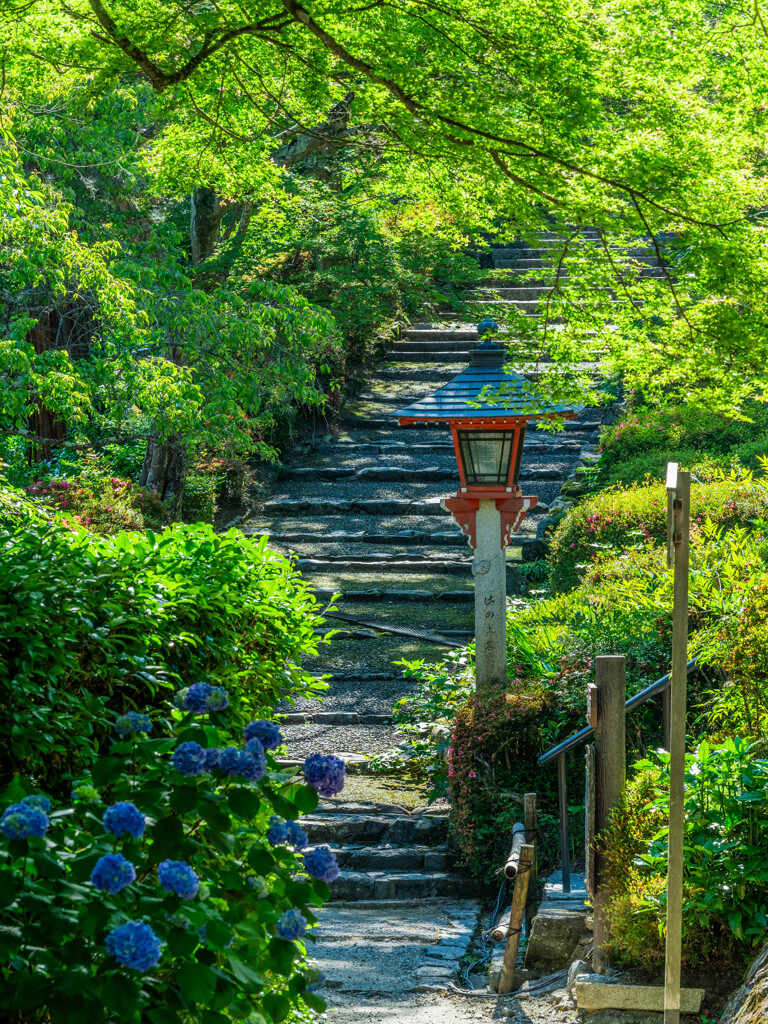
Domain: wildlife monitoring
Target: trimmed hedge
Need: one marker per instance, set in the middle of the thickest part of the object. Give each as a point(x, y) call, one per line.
point(91, 625)
point(622, 519)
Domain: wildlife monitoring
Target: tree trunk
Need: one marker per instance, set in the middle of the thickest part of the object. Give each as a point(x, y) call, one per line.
point(205, 216)
point(165, 471)
point(51, 331)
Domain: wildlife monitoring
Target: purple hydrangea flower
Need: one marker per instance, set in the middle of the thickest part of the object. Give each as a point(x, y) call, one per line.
point(38, 801)
point(124, 818)
point(189, 758)
point(132, 722)
point(112, 872)
point(177, 877)
point(325, 773)
point(201, 698)
point(268, 734)
point(297, 837)
point(134, 945)
point(320, 863)
point(278, 832)
point(20, 821)
point(292, 925)
point(211, 758)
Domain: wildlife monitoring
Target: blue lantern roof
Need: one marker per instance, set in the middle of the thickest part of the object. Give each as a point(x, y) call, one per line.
point(485, 370)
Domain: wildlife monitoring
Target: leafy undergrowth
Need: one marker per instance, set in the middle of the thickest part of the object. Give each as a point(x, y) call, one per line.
point(725, 911)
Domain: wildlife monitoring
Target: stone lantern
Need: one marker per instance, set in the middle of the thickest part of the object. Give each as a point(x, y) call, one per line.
point(488, 438)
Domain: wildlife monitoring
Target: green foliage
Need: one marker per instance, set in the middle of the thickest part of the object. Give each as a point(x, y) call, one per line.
point(725, 909)
point(200, 497)
point(646, 439)
point(93, 623)
point(222, 956)
point(16, 507)
point(619, 519)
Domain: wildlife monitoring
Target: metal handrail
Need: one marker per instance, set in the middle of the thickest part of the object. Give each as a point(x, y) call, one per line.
point(659, 688)
point(654, 690)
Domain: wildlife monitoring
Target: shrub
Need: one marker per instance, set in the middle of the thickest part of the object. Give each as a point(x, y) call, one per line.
point(725, 908)
point(495, 742)
point(646, 439)
point(90, 623)
point(616, 519)
point(16, 507)
point(155, 894)
point(742, 704)
point(100, 503)
point(199, 504)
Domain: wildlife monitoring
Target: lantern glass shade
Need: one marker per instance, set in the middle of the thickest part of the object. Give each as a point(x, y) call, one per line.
point(486, 456)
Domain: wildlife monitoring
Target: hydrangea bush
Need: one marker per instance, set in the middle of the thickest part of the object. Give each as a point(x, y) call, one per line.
point(176, 883)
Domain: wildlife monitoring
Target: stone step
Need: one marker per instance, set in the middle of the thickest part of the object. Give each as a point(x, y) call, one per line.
point(402, 474)
point(402, 885)
point(402, 538)
point(395, 858)
point(376, 507)
point(436, 333)
point(377, 828)
point(453, 567)
point(346, 447)
point(333, 718)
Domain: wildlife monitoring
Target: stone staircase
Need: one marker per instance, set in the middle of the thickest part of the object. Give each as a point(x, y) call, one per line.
point(361, 512)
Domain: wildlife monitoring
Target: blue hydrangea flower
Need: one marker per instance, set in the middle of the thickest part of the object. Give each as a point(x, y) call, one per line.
point(211, 758)
point(278, 832)
point(292, 925)
point(20, 821)
point(177, 877)
point(233, 761)
point(189, 758)
point(37, 800)
point(132, 722)
point(112, 872)
point(255, 751)
point(297, 837)
point(320, 863)
point(268, 734)
point(325, 773)
point(134, 945)
point(124, 818)
point(201, 698)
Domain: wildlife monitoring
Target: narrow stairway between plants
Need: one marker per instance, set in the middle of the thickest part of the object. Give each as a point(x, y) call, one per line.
point(361, 511)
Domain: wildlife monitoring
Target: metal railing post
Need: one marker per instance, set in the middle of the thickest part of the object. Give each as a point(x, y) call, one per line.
point(562, 800)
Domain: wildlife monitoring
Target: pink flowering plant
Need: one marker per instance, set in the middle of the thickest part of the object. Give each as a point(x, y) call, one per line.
point(175, 884)
point(98, 502)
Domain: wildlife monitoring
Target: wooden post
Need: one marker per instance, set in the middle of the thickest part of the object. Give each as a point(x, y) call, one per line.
point(531, 838)
point(513, 860)
point(562, 801)
point(507, 979)
point(610, 772)
point(679, 497)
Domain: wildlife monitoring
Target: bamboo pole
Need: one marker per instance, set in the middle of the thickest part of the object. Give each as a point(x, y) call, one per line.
point(677, 730)
point(501, 927)
point(507, 979)
point(518, 838)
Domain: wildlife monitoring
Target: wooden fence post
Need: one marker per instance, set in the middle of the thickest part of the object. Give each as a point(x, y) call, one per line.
point(610, 773)
point(507, 979)
point(679, 502)
point(532, 838)
point(562, 806)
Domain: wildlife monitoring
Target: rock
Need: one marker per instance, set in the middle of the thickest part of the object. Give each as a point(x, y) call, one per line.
point(574, 488)
point(749, 1003)
point(595, 992)
point(542, 527)
point(554, 935)
point(578, 967)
